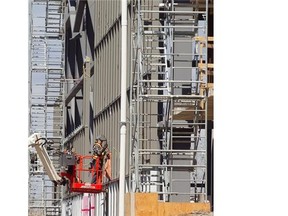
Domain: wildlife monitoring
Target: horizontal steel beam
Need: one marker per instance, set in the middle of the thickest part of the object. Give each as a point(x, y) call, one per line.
point(74, 91)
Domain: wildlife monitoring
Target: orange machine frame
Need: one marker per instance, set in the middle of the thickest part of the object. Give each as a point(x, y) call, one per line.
point(75, 172)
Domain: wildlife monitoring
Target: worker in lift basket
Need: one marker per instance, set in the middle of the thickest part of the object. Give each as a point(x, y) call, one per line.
point(100, 149)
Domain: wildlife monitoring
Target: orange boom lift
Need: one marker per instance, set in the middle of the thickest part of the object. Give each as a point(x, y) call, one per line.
point(75, 166)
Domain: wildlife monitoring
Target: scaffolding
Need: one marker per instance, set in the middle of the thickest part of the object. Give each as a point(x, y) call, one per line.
point(171, 89)
point(46, 72)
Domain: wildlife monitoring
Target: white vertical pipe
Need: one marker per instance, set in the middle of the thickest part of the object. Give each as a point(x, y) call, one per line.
point(123, 106)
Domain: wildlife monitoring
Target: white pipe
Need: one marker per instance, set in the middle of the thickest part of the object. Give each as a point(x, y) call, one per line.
point(123, 107)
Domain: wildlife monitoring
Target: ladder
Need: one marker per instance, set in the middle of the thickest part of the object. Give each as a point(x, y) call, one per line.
point(168, 118)
point(46, 72)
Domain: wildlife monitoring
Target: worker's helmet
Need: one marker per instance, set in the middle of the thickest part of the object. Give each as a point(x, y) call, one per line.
point(101, 138)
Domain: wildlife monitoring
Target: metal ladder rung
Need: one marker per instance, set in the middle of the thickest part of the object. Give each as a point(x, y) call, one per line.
point(149, 126)
point(154, 48)
point(187, 124)
point(170, 150)
point(190, 137)
point(54, 13)
point(183, 21)
point(180, 193)
point(171, 54)
point(189, 110)
point(154, 88)
point(174, 96)
point(173, 12)
point(149, 140)
point(54, 18)
point(157, 64)
point(170, 81)
point(151, 183)
point(171, 166)
point(54, 4)
point(184, 33)
point(180, 26)
point(154, 32)
point(184, 67)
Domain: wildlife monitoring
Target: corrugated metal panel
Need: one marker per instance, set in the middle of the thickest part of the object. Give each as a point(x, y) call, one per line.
point(106, 92)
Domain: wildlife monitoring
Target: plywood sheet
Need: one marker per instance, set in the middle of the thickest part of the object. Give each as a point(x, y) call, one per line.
point(148, 204)
point(188, 113)
point(145, 204)
point(175, 209)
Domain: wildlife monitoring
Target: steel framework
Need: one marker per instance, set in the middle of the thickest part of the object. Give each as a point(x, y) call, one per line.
point(169, 99)
point(46, 67)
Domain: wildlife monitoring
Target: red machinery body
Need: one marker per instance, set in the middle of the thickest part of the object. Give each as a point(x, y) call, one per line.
point(77, 168)
point(76, 172)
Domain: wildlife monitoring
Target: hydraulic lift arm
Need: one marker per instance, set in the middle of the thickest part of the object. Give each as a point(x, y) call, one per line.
point(36, 141)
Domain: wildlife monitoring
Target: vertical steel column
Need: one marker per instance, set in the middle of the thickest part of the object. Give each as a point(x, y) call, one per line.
point(86, 104)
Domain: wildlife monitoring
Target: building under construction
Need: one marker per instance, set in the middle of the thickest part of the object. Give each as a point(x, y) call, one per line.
point(139, 72)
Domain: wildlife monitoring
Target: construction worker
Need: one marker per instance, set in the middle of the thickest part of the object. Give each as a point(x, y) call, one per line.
point(100, 150)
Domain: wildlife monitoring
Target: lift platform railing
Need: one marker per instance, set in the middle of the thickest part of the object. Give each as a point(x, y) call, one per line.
point(81, 169)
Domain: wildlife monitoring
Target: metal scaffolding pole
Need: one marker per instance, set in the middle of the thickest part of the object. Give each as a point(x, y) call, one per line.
point(169, 100)
point(123, 106)
point(46, 67)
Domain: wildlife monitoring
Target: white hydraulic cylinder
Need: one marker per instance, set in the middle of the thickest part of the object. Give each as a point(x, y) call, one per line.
point(44, 157)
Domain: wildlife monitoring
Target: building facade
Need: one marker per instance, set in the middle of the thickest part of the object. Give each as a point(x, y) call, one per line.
point(169, 143)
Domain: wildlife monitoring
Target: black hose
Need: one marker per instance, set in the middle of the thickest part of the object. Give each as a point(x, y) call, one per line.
point(42, 139)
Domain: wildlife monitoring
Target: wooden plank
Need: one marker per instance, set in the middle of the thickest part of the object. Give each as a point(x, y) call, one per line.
point(201, 65)
point(187, 113)
point(210, 85)
point(148, 204)
point(177, 208)
point(210, 46)
point(127, 204)
point(144, 204)
point(202, 39)
point(211, 38)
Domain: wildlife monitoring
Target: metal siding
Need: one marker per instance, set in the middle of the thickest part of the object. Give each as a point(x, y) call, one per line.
point(119, 58)
point(100, 79)
point(115, 36)
point(97, 83)
point(108, 81)
point(114, 63)
point(110, 72)
point(106, 84)
point(114, 151)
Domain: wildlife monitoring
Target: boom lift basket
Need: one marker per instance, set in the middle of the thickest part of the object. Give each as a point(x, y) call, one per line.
point(77, 167)
point(81, 169)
